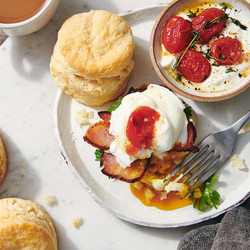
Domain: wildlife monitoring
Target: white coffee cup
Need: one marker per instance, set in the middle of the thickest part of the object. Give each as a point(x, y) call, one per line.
point(32, 24)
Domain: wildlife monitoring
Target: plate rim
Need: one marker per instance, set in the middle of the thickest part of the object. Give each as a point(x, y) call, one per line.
point(60, 94)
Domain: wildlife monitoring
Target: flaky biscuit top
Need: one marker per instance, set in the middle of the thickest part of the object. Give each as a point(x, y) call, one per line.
point(96, 42)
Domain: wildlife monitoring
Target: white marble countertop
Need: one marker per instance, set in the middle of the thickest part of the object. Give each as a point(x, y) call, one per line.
point(27, 94)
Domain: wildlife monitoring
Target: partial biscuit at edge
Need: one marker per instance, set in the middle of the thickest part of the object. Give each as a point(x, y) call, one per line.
point(3, 161)
point(27, 219)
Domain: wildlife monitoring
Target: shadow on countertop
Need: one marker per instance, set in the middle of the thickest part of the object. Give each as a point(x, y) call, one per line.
point(21, 179)
point(177, 233)
point(30, 54)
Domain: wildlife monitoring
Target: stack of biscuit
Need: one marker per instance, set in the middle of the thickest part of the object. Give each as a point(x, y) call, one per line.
point(3, 161)
point(92, 59)
point(24, 224)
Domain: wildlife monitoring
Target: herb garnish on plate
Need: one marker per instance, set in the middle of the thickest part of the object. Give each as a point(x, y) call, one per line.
point(208, 198)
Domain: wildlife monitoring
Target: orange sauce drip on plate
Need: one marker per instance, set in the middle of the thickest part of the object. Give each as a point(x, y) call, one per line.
point(172, 201)
point(14, 11)
point(160, 168)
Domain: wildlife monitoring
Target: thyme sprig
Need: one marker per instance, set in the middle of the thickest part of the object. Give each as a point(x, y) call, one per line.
point(235, 21)
point(238, 23)
point(179, 58)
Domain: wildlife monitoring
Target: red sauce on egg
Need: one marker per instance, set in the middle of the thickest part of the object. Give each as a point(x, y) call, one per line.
point(140, 129)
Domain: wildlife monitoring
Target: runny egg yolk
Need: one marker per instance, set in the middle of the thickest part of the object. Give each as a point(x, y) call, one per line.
point(141, 129)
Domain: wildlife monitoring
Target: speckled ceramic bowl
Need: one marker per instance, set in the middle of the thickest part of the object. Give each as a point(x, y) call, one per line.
point(240, 7)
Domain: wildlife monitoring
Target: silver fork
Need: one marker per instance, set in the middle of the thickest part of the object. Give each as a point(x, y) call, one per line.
point(214, 150)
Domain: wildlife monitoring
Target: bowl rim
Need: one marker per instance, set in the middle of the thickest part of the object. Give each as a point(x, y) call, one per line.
point(173, 87)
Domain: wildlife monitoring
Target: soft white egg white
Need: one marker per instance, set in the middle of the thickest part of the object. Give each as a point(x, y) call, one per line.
point(169, 129)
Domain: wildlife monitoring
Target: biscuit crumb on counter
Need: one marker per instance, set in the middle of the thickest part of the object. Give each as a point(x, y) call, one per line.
point(23, 165)
point(50, 200)
point(77, 222)
point(247, 128)
point(238, 162)
point(82, 116)
point(73, 138)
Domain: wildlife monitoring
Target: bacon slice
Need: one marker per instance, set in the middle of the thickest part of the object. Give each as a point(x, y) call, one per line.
point(130, 174)
point(98, 135)
point(105, 116)
point(189, 146)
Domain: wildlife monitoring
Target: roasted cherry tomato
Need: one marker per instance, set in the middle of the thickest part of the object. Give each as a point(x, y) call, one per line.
point(226, 50)
point(212, 29)
point(194, 66)
point(176, 34)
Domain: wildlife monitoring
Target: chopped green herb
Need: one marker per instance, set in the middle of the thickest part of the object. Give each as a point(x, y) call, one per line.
point(178, 77)
point(238, 23)
point(188, 112)
point(115, 106)
point(98, 155)
point(224, 6)
point(110, 178)
point(209, 198)
point(228, 70)
point(209, 55)
point(192, 14)
point(216, 64)
point(221, 57)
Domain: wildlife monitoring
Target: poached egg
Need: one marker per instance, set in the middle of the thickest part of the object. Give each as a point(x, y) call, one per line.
point(168, 128)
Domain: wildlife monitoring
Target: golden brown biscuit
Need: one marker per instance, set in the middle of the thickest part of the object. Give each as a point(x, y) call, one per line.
point(3, 161)
point(90, 91)
point(96, 42)
point(92, 59)
point(24, 224)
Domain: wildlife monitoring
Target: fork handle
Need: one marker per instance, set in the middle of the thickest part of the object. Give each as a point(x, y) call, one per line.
point(239, 124)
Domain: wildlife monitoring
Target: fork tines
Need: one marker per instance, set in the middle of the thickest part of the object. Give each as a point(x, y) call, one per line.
point(214, 150)
point(198, 167)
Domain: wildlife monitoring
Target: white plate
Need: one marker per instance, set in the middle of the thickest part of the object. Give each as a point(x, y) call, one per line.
point(115, 196)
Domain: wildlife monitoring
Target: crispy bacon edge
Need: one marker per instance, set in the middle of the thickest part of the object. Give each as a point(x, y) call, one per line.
point(93, 138)
point(98, 136)
point(131, 174)
point(189, 146)
point(105, 116)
